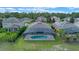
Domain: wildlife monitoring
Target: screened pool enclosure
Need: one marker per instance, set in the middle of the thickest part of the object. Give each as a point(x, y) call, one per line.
point(39, 31)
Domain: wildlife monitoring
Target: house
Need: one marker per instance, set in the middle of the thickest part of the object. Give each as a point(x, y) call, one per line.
point(70, 30)
point(62, 25)
point(39, 31)
point(58, 25)
point(11, 23)
point(67, 19)
point(76, 19)
point(25, 21)
point(55, 19)
point(41, 19)
point(72, 34)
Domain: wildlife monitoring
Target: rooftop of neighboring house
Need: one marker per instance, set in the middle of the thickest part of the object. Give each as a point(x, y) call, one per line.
point(71, 30)
point(25, 19)
point(11, 20)
point(67, 27)
point(67, 19)
point(76, 19)
point(41, 18)
point(55, 18)
point(58, 25)
point(16, 20)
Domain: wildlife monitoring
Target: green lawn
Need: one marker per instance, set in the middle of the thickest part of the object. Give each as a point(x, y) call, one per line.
point(71, 47)
point(23, 45)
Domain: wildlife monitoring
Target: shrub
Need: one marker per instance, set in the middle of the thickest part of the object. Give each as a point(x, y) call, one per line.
point(21, 31)
point(2, 30)
point(8, 36)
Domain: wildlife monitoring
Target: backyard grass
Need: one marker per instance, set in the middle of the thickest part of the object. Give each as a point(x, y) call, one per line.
point(71, 47)
point(24, 45)
point(6, 46)
point(39, 45)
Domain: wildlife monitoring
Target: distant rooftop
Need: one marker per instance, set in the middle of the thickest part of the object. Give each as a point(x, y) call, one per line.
point(11, 20)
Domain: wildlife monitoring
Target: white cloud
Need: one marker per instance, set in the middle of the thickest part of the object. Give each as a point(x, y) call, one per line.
point(36, 10)
point(40, 10)
point(2, 10)
point(10, 8)
point(21, 8)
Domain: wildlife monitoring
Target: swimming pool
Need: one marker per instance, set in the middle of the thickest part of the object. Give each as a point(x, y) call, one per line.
point(39, 37)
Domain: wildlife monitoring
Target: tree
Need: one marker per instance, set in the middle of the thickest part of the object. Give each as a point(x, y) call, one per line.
point(72, 20)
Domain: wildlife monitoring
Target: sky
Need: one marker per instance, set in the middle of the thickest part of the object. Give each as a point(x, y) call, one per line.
point(39, 9)
point(56, 6)
point(39, 3)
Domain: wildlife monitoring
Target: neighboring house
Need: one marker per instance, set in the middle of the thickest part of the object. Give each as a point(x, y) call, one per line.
point(58, 25)
point(64, 25)
point(25, 21)
point(67, 19)
point(11, 23)
point(55, 19)
point(69, 29)
point(76, 19)
point(76, 22)
point(39, 31)
point(72, 33)
point(41, 19)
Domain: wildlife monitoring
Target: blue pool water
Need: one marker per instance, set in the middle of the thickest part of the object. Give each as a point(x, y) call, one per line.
point(39, 37)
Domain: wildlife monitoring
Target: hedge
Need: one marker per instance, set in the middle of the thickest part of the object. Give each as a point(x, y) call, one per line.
point(8, 36)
